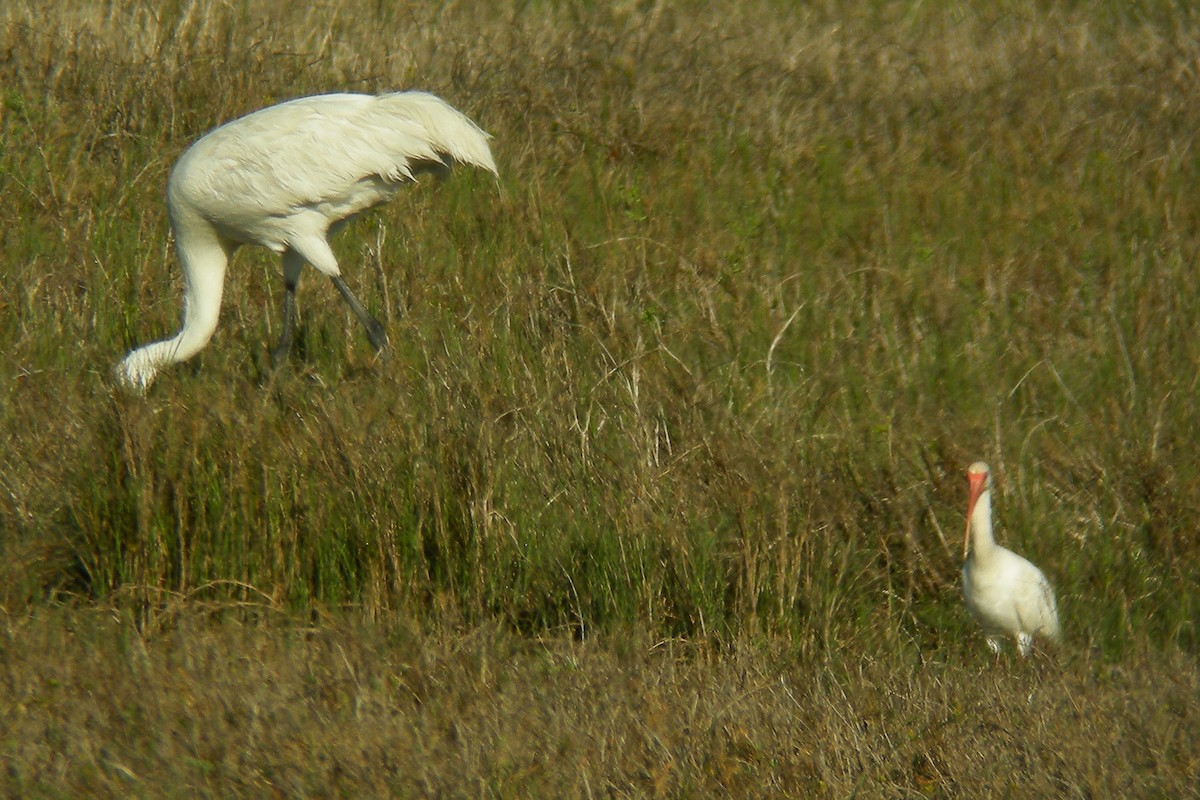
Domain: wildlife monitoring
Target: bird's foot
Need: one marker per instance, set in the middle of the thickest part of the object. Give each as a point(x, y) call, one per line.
point(377, 334)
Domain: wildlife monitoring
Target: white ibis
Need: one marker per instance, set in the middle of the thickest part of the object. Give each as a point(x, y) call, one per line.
point(1006, 593)
point(286, 177)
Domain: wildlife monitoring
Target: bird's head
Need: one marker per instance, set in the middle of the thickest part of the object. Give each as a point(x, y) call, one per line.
point(136, 372)
point(979, 477)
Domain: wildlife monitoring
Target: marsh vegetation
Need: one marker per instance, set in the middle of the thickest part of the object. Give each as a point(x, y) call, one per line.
point(659, 490)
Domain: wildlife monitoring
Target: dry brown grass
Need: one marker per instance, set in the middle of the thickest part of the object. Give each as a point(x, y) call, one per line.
point(91, 707)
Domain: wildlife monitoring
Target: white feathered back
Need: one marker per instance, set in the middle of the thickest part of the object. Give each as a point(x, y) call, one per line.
point(282, 159)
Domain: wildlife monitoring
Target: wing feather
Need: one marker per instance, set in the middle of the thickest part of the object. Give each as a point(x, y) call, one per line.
point(340, 151)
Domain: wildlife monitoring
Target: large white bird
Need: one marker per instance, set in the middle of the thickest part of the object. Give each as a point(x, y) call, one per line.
point(285, 178)
point(1007, 594)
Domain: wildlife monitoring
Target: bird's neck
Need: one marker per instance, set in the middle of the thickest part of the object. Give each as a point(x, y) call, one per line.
point(204, 258)
point(983, 544)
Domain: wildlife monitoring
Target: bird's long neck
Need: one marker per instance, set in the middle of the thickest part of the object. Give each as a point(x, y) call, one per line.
point(983, 544)
point(204, 257)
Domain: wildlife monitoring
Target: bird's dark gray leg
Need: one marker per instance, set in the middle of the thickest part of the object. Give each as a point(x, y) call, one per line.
point(375, 331)
point(315, 250)
point(291, 279)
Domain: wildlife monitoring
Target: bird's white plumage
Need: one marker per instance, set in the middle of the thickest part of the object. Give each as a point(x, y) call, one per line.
point(1006, 594)
point(287, 176)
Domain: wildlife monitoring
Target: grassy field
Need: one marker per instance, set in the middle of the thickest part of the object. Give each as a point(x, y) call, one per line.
point(659, 491)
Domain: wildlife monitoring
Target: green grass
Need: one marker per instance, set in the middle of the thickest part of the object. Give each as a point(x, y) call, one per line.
point(742, 301)
point(706, 363)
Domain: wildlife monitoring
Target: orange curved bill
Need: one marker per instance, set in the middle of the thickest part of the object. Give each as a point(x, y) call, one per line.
point(978, 481)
